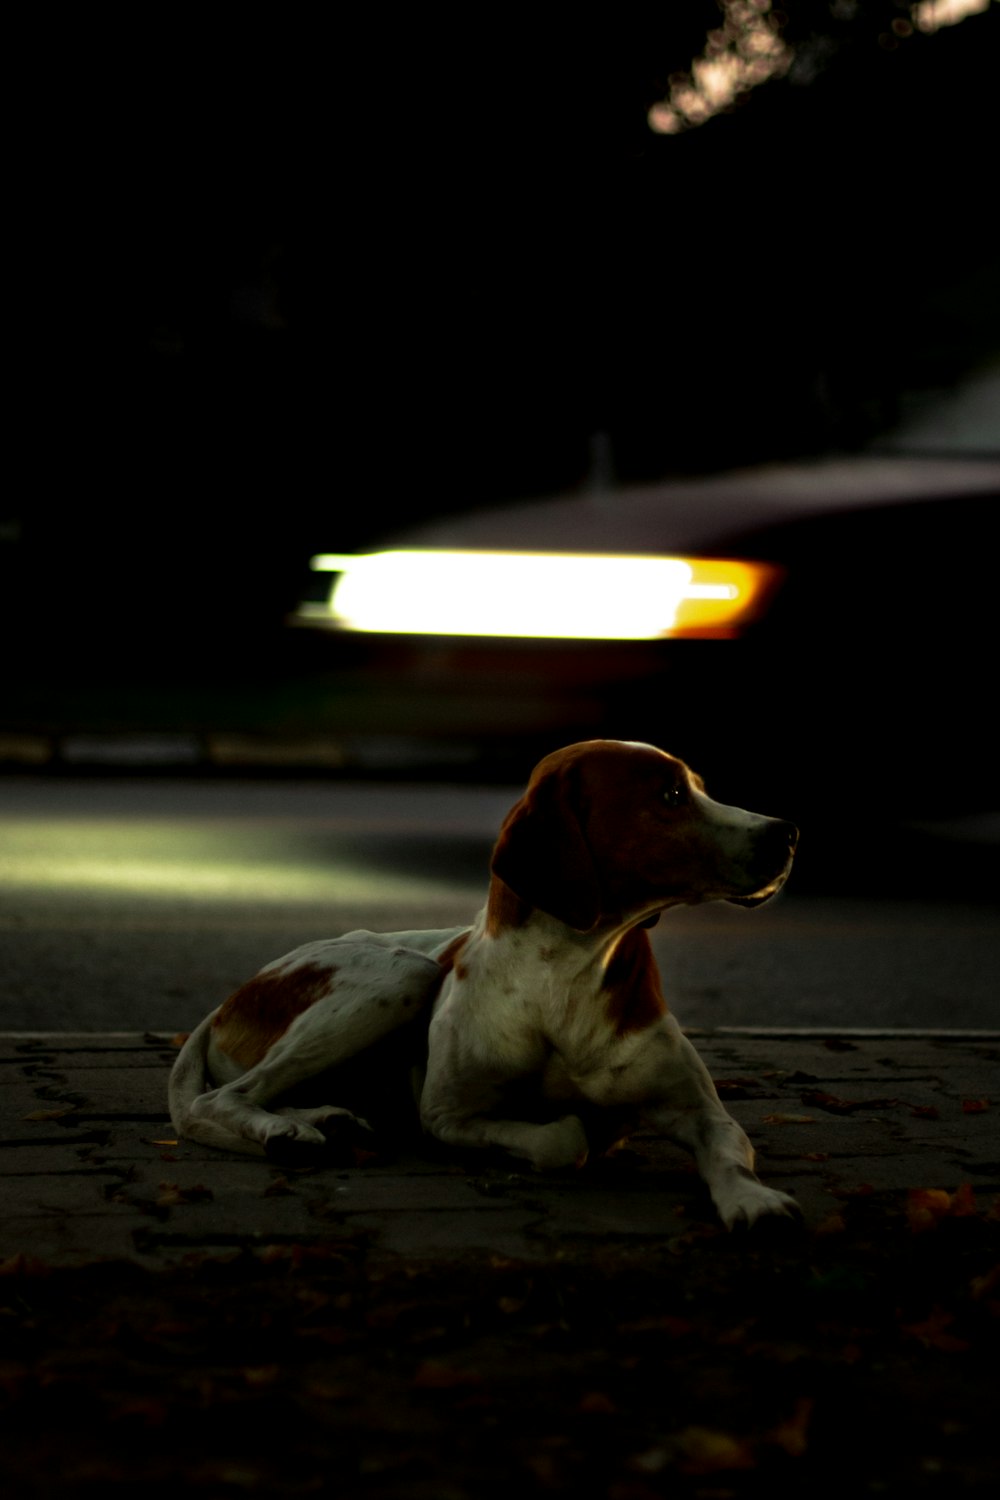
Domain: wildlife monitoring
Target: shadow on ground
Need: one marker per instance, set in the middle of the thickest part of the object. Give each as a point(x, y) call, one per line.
point(857, 1358)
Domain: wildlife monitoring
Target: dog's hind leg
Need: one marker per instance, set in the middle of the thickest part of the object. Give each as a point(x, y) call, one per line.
point(236, 1115)
point(189, 1081)
point(370, 992)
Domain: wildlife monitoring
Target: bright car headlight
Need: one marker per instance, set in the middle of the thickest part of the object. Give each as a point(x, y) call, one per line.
point(582, 596)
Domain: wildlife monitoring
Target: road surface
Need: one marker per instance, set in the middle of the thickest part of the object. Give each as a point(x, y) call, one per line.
point(131, 904)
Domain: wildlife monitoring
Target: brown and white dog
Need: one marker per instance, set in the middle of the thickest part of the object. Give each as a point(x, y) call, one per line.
point(545, 1014)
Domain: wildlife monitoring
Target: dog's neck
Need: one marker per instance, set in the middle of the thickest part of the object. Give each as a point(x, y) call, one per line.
point(616, 954)
point(505, 911)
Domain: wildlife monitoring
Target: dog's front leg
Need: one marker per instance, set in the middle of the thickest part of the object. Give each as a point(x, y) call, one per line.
point(690, 1112)
point(466, 1082)
point(458, 1121)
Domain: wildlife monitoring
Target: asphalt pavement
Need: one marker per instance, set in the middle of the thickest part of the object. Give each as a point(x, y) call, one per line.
point(136, 903)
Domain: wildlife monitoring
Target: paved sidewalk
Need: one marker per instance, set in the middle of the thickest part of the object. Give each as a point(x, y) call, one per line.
point(90, 1170)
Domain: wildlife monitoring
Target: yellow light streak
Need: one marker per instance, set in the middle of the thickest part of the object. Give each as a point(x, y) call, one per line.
point(555, 595)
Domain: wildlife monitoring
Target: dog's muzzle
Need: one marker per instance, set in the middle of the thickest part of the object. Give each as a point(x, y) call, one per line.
point(774, 850)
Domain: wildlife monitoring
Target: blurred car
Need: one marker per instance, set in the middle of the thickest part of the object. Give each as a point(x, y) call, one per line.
point(852, 677)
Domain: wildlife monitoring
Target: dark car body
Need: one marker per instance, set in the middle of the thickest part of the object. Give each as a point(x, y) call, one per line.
point(863, 690)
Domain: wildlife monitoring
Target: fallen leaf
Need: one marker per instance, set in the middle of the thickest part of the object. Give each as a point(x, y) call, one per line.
point(737, 1334)
point(819, 1099)
point(51, 1114)
point(545, 1467)
point(195, 1259)
point(14, 1378)
point(925, 1112)
point(788, 1120)
point(277, 1189)
point(736, 1088)
point(963, 1201)
point(926, 1207)
point(24, 1265)
point(792, 1434)
point(650, 1461)
point(294, 1254)
point(933, 1333)
point(694, 1237)
point(984, 1286)
point(596, 1403)
point(975, 1106)
point(434, 1376)
point(324, 1392)
point(835, 1106)
point(297, 1254)
point(839, 1280)
point(149, 1411)
point(326, 1333)
point(675, 1328)
point(171, 1194)
point(703, 1450)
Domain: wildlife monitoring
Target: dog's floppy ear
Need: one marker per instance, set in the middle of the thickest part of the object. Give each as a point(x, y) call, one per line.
point(542, 855)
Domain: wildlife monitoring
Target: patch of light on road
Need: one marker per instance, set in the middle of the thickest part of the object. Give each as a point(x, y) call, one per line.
point(102, 858)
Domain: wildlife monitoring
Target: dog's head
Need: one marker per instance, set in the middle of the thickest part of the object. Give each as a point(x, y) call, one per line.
point(608, 830)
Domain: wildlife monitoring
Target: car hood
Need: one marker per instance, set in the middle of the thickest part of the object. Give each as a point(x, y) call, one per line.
point(702, 513)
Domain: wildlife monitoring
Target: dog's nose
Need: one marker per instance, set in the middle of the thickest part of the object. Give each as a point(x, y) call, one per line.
point(791, 833)
point(781, 838)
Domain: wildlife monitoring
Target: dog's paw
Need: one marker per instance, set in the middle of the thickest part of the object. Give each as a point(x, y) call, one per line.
point(327, 1137)
point(292, 1143)
point(561, 1143)
point(349, 1139)
point(743, 1201)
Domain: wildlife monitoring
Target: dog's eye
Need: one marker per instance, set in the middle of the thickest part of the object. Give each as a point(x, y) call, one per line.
point(674, 796)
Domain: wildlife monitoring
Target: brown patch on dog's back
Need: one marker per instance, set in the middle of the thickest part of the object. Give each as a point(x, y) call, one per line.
point(632, 985)
point(260, 1011)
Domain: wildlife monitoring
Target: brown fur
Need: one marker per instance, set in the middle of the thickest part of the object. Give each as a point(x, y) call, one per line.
point(632, 982)
point(504, 909)
point(260, 1011)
